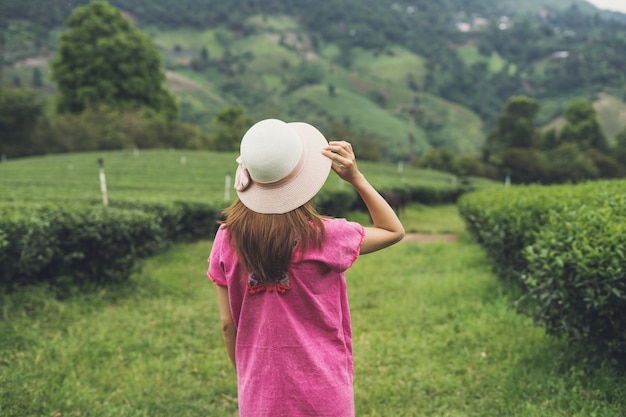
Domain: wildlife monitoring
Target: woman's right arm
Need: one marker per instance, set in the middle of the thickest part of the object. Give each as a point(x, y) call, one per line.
point(387, 228)
point(229, 332)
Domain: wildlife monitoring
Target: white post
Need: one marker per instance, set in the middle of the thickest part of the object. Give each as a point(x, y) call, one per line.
point(136, 152)
point(183, 160)
point(103, 183)
point(507, 180)
point(400, 167)
point(227, 188)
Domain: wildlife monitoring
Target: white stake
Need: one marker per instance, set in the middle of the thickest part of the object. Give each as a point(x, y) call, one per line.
point(103, 183)
point(227, 188)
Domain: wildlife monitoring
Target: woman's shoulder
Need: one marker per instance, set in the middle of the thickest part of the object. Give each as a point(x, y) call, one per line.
point(338, 227)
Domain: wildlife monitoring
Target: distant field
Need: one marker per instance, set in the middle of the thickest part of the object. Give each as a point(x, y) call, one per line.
point(394, 65)
point(470, 55)
point(157, 175)
point(363, 114)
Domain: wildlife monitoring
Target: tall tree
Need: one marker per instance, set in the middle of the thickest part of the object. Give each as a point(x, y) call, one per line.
point(103, 59)
point(516, 126)
point(582, 126)
point(20, 111)
point(232, 123)
point(620, 147)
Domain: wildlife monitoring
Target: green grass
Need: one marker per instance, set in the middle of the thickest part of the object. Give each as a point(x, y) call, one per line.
point(156, 176)
point(394, 66)
point(470, 55)
point(274, 23)
point(434, 335)
point(364, 115)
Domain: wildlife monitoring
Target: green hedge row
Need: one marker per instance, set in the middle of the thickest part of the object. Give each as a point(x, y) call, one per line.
point(565, 247)
point(86, 244)
point(91, 244)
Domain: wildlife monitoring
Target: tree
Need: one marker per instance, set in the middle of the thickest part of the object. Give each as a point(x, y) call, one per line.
point(582, 127)
point(525, 165)
point(620, 147)
point(232, 124)
point(516, 126)
point(568, 164)
point(103, 59)
point(37, 79)
point(20, 111)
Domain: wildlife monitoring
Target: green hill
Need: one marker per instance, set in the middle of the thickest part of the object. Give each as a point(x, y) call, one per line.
point(366, 63)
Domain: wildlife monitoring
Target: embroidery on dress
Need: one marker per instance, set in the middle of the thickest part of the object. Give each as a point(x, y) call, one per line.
point(255, 285)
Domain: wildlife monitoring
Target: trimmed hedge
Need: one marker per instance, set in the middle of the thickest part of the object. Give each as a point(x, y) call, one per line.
point(85, 244)
point(565, 247)
point(92, 244)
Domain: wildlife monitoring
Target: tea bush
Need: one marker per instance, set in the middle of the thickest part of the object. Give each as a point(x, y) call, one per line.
point(564, 247)
point(80, 243)
point(576, 275)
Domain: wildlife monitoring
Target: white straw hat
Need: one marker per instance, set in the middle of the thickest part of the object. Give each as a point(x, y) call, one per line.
point(281, 166)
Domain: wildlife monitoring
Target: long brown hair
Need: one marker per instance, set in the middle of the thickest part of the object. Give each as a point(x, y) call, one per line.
point(265, 242)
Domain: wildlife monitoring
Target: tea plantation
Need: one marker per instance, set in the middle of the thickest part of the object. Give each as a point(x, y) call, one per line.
point(54, 226)
point(565, 248)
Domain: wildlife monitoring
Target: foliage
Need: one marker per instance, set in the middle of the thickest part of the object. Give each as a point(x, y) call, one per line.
point(20, 112)
point(562, 246)
point(232, 123)
point(582, 127)
point(103, 59)
point(29, 132)
point(91, 245)
point(620, 147)
point(369, 148)
point(525, 165)
point(576, 274)
point(578, 152)
point(59, 246)
point(516, 126)
point(569, 164)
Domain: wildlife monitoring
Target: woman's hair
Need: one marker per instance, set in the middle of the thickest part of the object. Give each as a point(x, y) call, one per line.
point(265, 243)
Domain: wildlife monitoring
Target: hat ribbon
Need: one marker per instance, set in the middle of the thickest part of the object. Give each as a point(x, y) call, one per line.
point(242, 176)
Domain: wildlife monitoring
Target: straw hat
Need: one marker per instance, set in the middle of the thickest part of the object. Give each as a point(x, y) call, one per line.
point(281, 166)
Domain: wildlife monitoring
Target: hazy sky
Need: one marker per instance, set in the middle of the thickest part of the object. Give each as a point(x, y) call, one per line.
point(619, 5)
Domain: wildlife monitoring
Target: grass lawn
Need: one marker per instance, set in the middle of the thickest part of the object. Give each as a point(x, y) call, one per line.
point(434, 335)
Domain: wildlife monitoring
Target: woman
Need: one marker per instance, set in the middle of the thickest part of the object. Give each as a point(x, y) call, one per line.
point(279, 269)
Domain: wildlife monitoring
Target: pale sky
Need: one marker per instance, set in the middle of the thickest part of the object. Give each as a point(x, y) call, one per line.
point(618, 5)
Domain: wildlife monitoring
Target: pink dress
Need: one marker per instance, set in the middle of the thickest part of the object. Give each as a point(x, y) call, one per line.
point(294, 339)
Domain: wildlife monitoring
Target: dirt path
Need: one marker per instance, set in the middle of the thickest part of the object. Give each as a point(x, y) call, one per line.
point(430, 238)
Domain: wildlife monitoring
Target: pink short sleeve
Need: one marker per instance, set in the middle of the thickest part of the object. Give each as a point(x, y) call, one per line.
point(343, 243)
point(216, 270)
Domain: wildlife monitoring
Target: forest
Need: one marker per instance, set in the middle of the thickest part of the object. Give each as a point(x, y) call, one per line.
point(475, 55)
point(594, 44)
